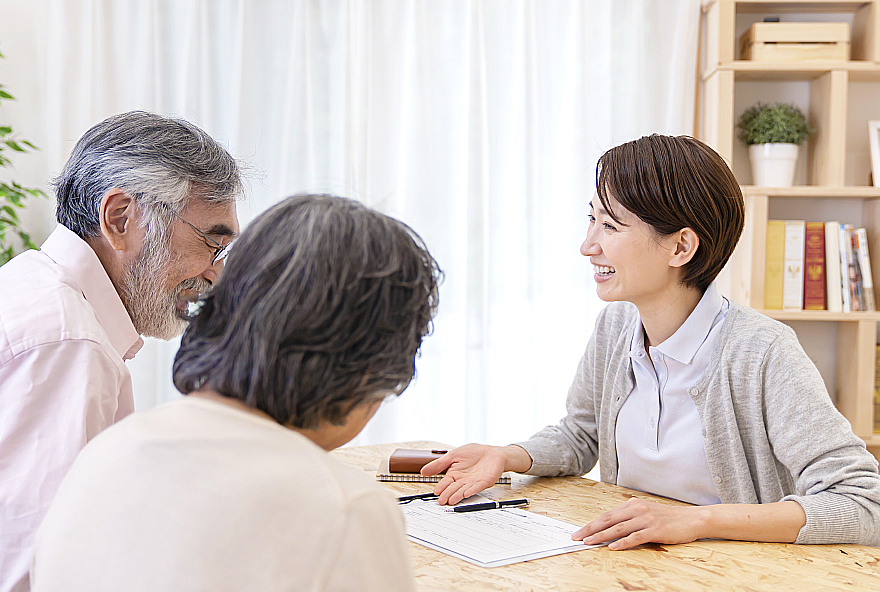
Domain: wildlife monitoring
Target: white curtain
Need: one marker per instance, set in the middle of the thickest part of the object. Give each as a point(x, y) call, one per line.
point(477, 122)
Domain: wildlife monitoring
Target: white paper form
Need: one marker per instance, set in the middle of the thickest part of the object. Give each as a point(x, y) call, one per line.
point(489, 538)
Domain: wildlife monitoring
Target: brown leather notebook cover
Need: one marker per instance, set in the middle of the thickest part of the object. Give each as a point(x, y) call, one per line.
point(404, 460)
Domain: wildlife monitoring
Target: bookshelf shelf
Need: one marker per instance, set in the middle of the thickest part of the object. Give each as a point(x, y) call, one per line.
point(832, 90)
point(747, 71)
point(822, 315)
point(784, 6)
point(814, 192)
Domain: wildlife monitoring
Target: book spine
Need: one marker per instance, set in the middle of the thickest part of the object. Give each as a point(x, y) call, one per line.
point(865, 268)
point(774, 260)
point(845, 249)
point(832, 266)
point(855, 278)
point(814, 266)
point(793, 279)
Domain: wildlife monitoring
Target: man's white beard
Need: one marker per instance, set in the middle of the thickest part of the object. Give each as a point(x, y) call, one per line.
point(153, 311)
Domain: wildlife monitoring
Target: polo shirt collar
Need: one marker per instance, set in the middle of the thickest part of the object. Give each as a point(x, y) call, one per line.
point(683, 345)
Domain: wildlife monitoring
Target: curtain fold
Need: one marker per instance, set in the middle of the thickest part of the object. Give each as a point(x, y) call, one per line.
point(476, 122)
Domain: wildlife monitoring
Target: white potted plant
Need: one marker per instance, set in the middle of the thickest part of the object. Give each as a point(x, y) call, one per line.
point(773, 133)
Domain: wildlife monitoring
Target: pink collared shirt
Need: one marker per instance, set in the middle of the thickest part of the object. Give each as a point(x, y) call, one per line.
point(64, 337)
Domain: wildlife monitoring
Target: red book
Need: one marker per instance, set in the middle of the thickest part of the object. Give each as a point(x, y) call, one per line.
point(814, 266)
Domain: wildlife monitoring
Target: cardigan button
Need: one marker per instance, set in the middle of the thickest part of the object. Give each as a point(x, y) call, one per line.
point(717, 478)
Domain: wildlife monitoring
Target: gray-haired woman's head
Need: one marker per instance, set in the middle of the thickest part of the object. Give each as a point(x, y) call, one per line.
point(161, 162)
point(322, 306)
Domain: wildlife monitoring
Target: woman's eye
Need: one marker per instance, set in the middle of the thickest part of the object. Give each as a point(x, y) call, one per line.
point(591, 218)
point(608, 226)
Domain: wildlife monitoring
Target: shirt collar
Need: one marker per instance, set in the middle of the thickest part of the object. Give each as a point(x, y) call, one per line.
point(683, 345)
point(79, 260)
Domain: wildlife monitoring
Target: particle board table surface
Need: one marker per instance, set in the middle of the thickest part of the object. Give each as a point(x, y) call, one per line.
point(702, 565)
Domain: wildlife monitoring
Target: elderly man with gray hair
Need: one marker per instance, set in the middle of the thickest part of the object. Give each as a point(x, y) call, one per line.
point(146, 209)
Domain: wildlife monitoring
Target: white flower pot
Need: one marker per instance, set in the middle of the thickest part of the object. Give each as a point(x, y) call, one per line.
point(773, 164)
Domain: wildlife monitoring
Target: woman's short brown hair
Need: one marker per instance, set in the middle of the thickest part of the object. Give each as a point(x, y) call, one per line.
point(675, 182)
point(322, 306)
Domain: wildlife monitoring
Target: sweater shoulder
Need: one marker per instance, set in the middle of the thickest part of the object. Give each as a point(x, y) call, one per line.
point(747, 324)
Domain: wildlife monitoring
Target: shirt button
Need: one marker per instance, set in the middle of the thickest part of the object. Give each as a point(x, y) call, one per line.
point(717, 478)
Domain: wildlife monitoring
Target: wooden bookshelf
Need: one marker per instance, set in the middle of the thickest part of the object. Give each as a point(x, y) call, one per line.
point(829, 85)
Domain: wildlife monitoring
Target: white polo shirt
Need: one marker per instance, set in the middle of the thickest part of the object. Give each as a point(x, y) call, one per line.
point(659, 435)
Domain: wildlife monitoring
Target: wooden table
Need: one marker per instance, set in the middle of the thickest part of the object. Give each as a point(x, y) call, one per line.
point(710, 565)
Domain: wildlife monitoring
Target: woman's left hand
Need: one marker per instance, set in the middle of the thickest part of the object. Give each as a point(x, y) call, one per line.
point(637, 521)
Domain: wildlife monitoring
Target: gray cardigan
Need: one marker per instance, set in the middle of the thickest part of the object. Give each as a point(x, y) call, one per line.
point(770, 429)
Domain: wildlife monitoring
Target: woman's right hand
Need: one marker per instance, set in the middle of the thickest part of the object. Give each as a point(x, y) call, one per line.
point(474, 467)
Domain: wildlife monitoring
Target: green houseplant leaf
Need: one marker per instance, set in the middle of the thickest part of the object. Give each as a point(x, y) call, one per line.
point(765, 123)
point(12, 195)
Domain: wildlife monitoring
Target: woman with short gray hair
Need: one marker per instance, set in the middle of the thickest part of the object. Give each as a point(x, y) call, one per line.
point(318, 317)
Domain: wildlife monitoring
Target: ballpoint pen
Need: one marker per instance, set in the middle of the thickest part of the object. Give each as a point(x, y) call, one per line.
point(517, 503)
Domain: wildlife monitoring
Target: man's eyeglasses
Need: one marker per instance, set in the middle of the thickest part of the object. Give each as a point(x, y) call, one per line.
point(220, 251)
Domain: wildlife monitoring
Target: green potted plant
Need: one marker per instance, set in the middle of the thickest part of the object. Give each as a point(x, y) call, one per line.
point(12, 195)
point(773, 132)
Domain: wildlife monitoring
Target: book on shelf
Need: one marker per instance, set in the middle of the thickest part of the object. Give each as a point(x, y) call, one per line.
point(860, 237)
point(774, 260)
point(814, 266)
point(817, 266)
point(793, 276)
point(832, 267)
point(857, 302)
point(845, 256)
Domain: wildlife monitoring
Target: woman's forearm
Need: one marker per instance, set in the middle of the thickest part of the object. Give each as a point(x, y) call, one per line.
point(778, 522)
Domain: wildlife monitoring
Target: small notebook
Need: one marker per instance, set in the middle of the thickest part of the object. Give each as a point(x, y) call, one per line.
point(382, 474)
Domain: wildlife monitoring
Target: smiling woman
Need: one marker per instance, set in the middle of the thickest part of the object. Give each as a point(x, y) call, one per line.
point(683, 393)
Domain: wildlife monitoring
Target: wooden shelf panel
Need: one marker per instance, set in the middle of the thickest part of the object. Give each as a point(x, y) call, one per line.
point(814, 191)
point(749, 71)
point(789, 6)
point(820, 315)
point(873, 441)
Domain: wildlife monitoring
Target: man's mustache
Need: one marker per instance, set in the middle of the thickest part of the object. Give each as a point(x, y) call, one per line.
point(196, 284)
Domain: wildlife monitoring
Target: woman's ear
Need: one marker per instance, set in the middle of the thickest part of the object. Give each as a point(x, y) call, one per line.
point(686, 244)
